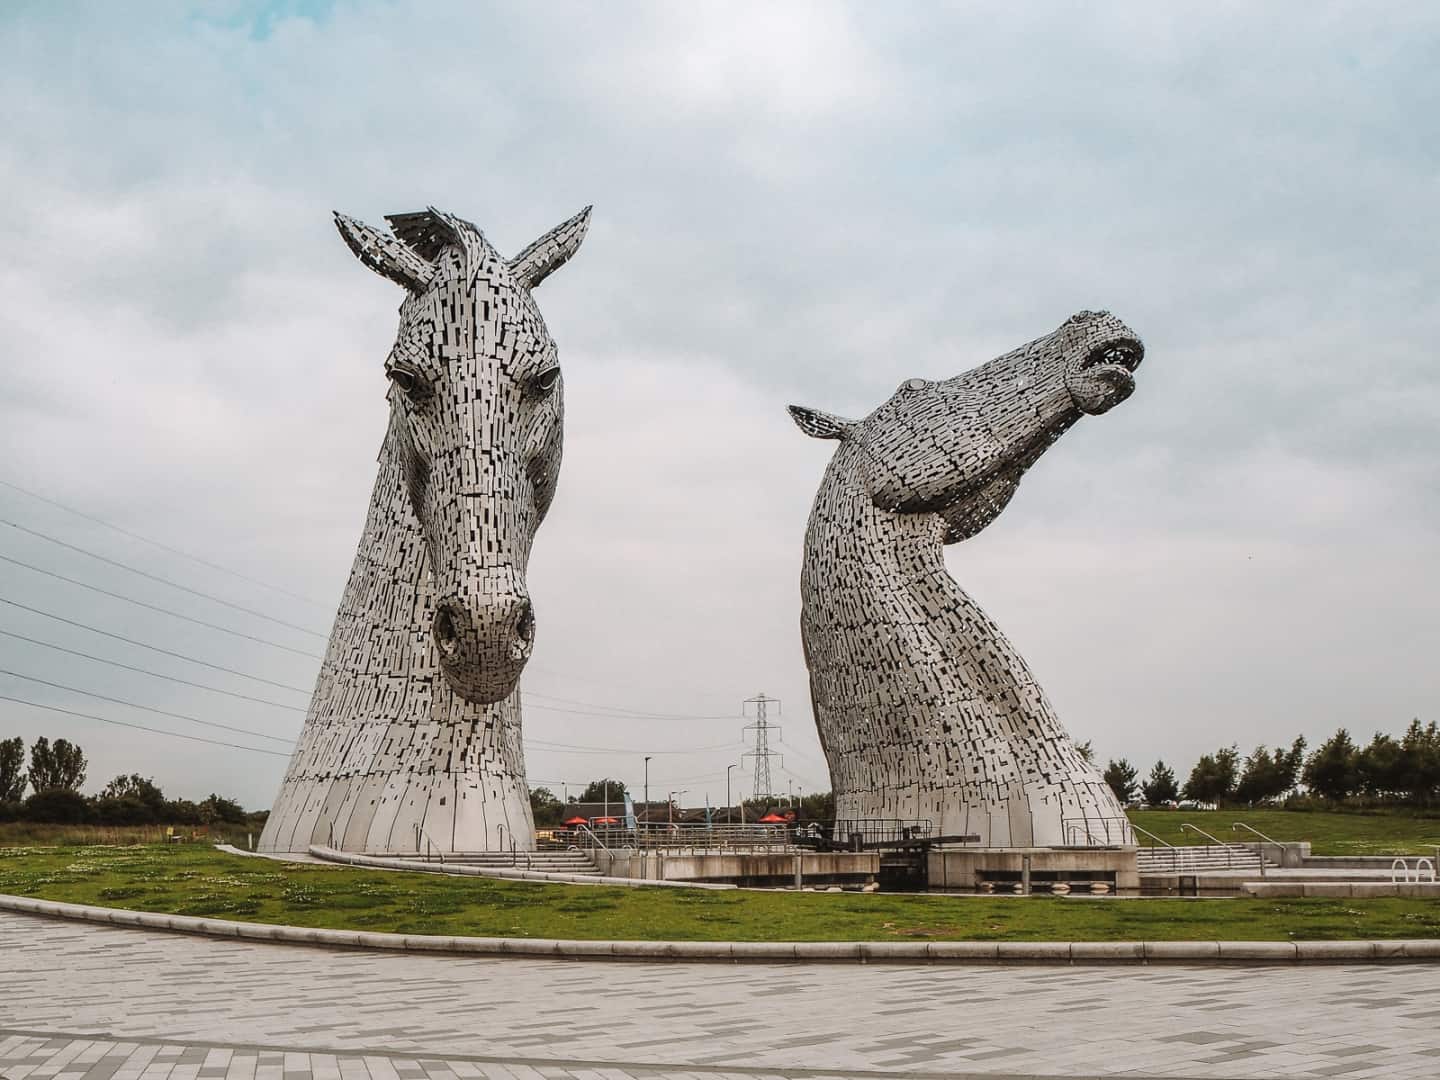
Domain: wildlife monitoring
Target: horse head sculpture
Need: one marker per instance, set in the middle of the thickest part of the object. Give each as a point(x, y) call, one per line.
point(924, 709)
point(476, 409)
point(958, 447)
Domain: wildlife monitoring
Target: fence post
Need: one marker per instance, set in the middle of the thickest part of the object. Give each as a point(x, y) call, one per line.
point(1025, 874)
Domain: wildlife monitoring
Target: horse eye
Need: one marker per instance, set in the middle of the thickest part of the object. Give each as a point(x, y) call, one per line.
point(546, 380)
point(410, 384)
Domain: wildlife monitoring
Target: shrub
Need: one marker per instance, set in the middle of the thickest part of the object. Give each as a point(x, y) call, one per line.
point(57, 806)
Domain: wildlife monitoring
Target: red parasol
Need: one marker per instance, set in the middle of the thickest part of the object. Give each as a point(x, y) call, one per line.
point(575, 821)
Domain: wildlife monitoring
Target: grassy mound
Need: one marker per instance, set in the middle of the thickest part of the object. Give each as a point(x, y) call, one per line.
point(197, 880)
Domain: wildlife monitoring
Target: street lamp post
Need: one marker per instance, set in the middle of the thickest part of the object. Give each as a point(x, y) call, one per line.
point(729, 813)
point(647, 784)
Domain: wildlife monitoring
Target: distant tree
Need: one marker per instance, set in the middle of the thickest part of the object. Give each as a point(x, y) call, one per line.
point(596, 791)
point(1120, 775)
point(1288, 767)
point(183, 812)
point(547, 809)
point(59, 766)
point(817, 806)
point(1420, 747)
point(1331, 772)
point(136, 787)
point(1381, 768)
point(1262, 778)
point(12, 770)
point(1213, 778)
point(130, 800)
point(1227, 762)
point(218, 810)
point(1161, 787)
point(57, 806)
point(1086, 751)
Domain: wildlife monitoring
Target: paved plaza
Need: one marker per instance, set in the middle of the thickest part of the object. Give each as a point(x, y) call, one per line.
point(83, 1002)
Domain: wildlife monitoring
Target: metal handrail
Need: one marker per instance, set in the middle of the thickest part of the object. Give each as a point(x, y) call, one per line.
point(1257, 832)
point(595, 841)
point(1229, 855)
point(1084, 825)
point(1147, 832)
point(1176, 854)
point(429, 843)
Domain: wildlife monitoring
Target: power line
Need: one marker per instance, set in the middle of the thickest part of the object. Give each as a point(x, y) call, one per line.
point(154, 648)
point(638, 714)
point(162, 580)
point(613, 715)
point(141, 727)
point(162, 547)
point(619, 714)
point(143, 708)
point(163, 611)
point(152, 674)
point(607, 750)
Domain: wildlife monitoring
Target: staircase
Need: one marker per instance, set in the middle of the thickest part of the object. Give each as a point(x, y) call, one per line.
point(568, 861)
point(1198, 859)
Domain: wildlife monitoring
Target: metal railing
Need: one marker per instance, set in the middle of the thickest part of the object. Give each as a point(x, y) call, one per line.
point(1401, 871)
point(1257, 832)
point(1229, 852)
point(432, 849)
point(1097, 831)
point(868, 832)
point(686, 837)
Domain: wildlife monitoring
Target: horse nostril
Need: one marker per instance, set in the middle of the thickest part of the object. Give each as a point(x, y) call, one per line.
point(447, 636)
point(525, 625)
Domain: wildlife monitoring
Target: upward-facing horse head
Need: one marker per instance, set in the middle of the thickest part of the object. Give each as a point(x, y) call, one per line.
point(925, 711)
point(476, 409)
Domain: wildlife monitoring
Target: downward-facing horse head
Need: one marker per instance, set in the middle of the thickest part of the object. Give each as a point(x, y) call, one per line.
point(413, 734)
point(924, 709)
point(476, 405)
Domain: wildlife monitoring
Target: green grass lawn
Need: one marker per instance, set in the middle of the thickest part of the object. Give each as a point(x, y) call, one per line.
point(1329, 832)
point(194, 879)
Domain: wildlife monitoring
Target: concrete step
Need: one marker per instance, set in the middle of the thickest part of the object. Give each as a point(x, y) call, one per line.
point(559, 862)
point(1200, 857)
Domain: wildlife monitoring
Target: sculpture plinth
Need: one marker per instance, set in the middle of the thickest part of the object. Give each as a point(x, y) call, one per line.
point(924, 709)
point(412, 738)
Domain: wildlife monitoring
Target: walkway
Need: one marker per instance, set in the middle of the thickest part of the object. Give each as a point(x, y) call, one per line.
point(83, 1002)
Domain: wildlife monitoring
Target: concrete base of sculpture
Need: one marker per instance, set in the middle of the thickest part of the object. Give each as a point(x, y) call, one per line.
point(1027, 870)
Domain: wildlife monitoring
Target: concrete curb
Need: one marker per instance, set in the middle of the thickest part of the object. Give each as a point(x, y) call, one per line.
point(350, 858)
point(1240, 953)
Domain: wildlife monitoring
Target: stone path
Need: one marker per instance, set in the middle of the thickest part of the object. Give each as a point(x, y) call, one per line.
point(83, 1002)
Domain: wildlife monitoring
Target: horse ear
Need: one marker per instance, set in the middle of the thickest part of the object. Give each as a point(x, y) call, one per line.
point(385, 254)
point(551, 251)
point(820, 425)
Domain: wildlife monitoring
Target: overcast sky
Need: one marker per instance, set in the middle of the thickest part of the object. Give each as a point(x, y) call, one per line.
point(793, 203)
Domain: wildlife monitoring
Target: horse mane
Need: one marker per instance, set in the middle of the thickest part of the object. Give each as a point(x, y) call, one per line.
point(428, 232)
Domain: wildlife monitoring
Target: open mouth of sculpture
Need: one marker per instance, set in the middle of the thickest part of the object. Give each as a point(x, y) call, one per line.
point(1121, 352)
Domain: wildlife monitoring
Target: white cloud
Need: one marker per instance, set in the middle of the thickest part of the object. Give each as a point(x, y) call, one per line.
point(792, 203)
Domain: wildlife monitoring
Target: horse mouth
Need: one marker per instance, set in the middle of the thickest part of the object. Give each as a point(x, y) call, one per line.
point(1106, 375)
point(1120, 352)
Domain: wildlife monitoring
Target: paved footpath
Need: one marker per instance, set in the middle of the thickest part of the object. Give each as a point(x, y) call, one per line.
point(84, 1002)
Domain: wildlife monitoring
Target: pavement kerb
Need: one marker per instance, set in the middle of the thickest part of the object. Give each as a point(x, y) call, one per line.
point(886, 952)
point(350, 858)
